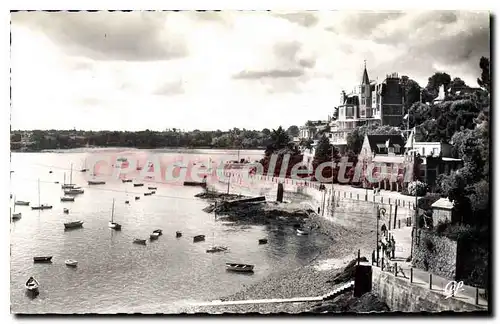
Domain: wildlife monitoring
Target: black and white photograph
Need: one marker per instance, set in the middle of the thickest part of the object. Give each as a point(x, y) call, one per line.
point(320, 162)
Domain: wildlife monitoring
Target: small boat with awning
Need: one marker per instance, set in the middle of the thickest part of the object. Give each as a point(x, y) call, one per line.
point(159, 231)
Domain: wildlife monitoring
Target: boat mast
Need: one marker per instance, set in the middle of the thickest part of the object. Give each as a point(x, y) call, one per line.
point(39, 192)
point(64, 178)
point(113, 210)
point(14, 204)
point(71, 175)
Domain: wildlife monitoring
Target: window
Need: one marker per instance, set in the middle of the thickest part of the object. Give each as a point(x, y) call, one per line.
point(391, 149)
point(397, 148)
point(423, 151)
point(435, 151)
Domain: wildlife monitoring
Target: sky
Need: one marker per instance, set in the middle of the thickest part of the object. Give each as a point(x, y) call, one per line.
point(219, 70)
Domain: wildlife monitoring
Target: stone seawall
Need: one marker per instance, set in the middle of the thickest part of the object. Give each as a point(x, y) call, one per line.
point(400, 295)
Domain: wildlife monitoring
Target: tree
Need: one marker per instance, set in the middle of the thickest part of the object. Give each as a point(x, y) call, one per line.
point(324, 151)
point(411, 91)
point(293, 131)
point(437, 80)
point(484, 81)
point(279, 138)
point(457, 84)
point(266, 131)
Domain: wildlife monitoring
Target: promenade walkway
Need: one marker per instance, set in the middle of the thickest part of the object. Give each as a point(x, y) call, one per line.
point(424, 278)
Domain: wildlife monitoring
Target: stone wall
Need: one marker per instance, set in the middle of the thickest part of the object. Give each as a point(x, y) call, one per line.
point(401, 295)
point(436, 254)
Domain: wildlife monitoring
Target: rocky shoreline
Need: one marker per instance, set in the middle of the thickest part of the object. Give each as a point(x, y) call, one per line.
point(325, 272)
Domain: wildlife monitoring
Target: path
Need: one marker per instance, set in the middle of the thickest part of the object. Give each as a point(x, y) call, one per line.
point(333, 294)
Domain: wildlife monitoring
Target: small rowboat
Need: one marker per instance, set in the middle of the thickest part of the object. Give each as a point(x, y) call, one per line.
point(50, 171)
point(73, 191)
point(126, 180)
point(138, 184)
point(42, 259)
point(126, 201)
point(21, 203)
point(67, 198)
point(154, 236)
point(16, 216)
point(217, 248)
point(199, 238)
point(41, 207)
point(32, 284)
point(301, 232)
point(74, 224)
point(178, 234)
point(56, 182)
point(96, 182)
point(66, 210)
point(263, 241)
point(137, 197)
point(159, 231)
point(71, 263)
point(152, 188)
point(147, 194)
point(237, 267)
point(139, 241)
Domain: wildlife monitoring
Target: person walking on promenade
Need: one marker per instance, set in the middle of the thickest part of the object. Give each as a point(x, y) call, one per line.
point(393, 247)
point(383, 229)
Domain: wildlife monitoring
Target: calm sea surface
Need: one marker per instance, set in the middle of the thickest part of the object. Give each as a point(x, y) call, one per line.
point(114, 275)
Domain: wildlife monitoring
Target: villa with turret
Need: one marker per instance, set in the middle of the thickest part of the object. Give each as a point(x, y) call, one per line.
point(371, 102)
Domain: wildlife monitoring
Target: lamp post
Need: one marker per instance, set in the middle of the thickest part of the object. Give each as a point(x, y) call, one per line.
point(378, 218)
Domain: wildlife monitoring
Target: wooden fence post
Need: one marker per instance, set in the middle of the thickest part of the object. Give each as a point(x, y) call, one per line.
point(477, 296)
point(430, 281)
point(411, 274)
point(359, 256)
point(395, 269)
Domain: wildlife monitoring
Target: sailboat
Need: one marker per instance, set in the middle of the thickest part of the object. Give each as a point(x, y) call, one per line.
point(112, 224)
point(216, 248)
point(40, 206)
point(69, 185)
point(84, 169)
point(15, 216)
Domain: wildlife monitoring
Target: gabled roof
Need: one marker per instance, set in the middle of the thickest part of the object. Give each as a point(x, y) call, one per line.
point(376, 140)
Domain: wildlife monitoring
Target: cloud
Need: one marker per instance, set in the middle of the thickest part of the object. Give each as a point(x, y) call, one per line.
point(170, 88)
point(130, 36)
point(274, 73)
point(305, 19)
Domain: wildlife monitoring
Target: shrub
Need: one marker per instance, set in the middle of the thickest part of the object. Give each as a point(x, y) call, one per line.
point(417, 187)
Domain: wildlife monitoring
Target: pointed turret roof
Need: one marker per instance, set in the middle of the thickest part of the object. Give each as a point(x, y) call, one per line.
point(365, 80)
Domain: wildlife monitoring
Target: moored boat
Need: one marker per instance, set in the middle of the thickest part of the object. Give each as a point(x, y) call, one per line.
point(154, 236)
point(263, 241)
point(178, 234)
point(42, 259)
point(199, 238)
point(41, 207)
point(66, 210)
point(147, 194)
point(137, 197)
point(139, 241)
point(32, 284)
point(238, 267)
point(71, 263)
point(126, 180)
point(21, 203)
point(217, 248)
point(111, 223)
point(301, 231)
point(127, 202)
point(67, 198)
point(74, 191)
point(75, 224)
point(138, 184)
point(159, 231)
point(96, 182)
point(152, 188)
point(16, 216)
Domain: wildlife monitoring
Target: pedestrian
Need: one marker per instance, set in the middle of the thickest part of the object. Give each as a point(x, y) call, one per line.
point(393, 245)
point(383, 229)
